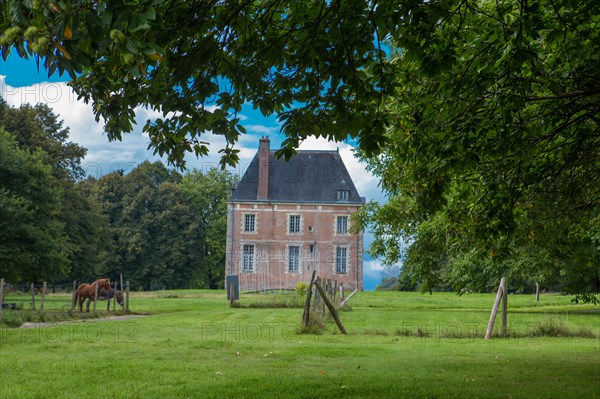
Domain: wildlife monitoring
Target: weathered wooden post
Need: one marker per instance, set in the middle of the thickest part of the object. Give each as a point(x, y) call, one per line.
point(331, 309)
point(306, 315)
point(32, 296)
point(504, 307)
point(334, 291)
point(231, 294)
point(345, 301)
point(490, 327)
point(73, 294)
point(127, 297)
point(1, 298)
point(122, 287)
point(95, 296)
point(114, 299)
point(537, 292)
point(317, 296)
point(43, 299)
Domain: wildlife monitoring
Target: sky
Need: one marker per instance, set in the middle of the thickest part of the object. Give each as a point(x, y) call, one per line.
point(22, 82)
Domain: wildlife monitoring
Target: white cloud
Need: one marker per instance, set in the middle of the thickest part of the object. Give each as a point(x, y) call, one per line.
point(262, 129)
point(104, 156)
point(108, 156)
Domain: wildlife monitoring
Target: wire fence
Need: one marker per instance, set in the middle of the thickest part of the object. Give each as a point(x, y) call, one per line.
point(50, 288)
point(45, 289)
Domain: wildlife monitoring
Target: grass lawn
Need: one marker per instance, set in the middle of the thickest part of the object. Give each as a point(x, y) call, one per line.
point(192, 345)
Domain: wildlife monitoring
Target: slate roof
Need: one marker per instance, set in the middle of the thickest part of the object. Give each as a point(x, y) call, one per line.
point(309, 176)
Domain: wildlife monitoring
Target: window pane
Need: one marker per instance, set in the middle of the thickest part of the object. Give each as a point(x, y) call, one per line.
point(342, 224)
point(294, 224)
point(293, 258)
point(248, 258)
point(340, 260)
point(249, 223)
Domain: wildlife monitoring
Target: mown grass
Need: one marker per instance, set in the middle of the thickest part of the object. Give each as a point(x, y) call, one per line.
point(193, 345)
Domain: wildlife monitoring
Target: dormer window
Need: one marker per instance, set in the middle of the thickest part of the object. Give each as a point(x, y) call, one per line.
point(342, 195)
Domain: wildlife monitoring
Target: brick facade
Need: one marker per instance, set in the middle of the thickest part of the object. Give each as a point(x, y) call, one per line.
point(274, 243)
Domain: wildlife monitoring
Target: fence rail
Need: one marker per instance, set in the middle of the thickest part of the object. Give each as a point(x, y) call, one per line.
point(44, 289)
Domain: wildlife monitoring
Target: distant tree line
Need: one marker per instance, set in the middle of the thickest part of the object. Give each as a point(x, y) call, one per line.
point(160, 228)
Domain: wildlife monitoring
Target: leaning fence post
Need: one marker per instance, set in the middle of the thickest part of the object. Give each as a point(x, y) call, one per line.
point(490, 327)
point(1, 299)
point(127, 297)
point(43, 298)
point(32, 296)
point(331, 308)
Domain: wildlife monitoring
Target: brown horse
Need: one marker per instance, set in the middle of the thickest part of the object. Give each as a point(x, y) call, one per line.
point(85, 291)
point(105, 295)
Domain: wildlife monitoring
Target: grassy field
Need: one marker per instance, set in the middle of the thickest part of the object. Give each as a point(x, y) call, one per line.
point(192, 344)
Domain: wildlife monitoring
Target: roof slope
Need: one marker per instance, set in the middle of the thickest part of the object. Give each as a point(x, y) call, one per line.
point(309, 176)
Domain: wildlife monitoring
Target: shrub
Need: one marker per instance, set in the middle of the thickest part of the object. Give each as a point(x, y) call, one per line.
point(301, 288)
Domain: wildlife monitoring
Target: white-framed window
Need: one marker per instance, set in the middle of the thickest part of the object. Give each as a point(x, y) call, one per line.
point(342, 195)
point(293, 259)
point(341, 260)
point(341, 225)
point(248, 258)
point(294, 224)
point(249, 223)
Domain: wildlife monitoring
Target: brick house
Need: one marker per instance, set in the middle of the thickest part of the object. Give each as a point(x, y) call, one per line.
point(288, 218)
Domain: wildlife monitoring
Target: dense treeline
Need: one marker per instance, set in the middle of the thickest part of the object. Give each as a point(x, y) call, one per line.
point(160, 228)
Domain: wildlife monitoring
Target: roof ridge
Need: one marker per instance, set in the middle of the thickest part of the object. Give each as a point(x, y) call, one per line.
point(312, 151)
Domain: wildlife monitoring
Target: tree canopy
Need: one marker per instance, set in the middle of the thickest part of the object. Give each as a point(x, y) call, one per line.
point(480, 117)
point(159, 228)
point(492, 158)
point(198, 62)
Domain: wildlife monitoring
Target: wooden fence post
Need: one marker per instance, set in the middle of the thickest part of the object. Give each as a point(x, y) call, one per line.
point(334, 291)
point(73, 295)
point(349, 297)
point(331, 309)
point(43, 298)
point(32, 296)
point(114, 298)
point(122, 288)
point(317, 296)
point(537, 292)
point(504, 307)
point(490, 327)
point(306, 315)
point(1, 299)
point(95, 296)
point(127, 297)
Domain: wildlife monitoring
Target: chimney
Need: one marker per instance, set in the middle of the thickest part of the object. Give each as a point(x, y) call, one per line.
point(263, 169)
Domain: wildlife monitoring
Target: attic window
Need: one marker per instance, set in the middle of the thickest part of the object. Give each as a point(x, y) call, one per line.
point(342, 195)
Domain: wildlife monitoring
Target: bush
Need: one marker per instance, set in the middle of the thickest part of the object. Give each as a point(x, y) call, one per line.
point(301, 288)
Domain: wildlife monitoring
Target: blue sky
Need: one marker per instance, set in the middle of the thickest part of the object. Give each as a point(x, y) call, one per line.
point(21, 82)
